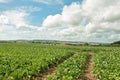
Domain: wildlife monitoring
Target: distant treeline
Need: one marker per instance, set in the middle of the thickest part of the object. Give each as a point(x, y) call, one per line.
point(55, 42)
point(117, 42)
point(32, 41)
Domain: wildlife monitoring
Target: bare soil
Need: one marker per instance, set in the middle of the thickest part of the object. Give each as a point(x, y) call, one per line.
point(45, 75)
point(50, 71)
point(86, 76)
point(89, 67)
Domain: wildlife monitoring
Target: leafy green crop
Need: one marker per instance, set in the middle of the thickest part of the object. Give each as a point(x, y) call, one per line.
point(72, 68)
point(18, 61)
point(107, 64)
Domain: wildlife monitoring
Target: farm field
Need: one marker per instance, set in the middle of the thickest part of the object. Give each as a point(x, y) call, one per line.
point(33, 61)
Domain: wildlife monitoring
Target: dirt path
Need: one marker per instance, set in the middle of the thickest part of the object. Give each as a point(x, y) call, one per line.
point(50, 71)
point(89, 67)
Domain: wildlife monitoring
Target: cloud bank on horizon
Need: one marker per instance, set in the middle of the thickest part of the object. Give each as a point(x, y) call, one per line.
point(87, 20)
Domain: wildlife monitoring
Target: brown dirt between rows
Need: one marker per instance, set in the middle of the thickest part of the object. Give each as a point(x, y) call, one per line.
point(89, 67)
point(86, 76)
point(45, 75)
point(50, 71)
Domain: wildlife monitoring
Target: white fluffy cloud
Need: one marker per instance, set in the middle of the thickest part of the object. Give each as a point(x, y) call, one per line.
point(13, 17)
point(14, 25)
point(68, 17)
point(96, 20)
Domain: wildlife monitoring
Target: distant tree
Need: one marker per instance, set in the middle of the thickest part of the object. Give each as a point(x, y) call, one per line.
point(117, 42)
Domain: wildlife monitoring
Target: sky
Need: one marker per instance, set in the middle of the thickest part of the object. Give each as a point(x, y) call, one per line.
point(66, 20)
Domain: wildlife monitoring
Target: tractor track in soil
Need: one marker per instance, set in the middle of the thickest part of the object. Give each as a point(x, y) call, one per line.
point(50, 71)
point(89, 67)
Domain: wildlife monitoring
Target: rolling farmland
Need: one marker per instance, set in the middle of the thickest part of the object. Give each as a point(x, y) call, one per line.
point(34, 61)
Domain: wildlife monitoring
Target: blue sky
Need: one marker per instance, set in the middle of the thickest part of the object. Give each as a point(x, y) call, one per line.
point(73, 20)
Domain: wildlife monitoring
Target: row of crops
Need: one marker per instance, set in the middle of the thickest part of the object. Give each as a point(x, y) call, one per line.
point(20, 61)
point(72, 68)
point(107, 64)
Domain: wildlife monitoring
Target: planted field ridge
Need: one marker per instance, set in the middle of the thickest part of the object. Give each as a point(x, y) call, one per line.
point(89, 68)
point(72, 68)
point(28, 61)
